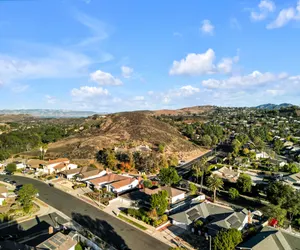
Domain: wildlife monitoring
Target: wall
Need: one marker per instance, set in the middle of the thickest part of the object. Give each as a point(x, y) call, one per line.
point(127, 187)
point(177, 198)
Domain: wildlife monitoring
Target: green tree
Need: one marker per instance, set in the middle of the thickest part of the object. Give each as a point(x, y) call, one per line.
point(233, 193)
point(244, 183)
point(147, 183)
point(236, 146)
point(214, 183)
point(227, 239)
point(159, 202)
point(277, 213)
point(278, 145)
point(206, 141)
point(279, 193)
point(168, 176)
point(161, 147)
point(78, 247)
point(193, 188)
point(11, 167)
point(198, 170)
point(26, 196)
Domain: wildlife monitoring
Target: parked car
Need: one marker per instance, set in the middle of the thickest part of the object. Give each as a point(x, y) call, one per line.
point(6, 180)
point(51, 184)
point(13, 183)
point(18, 187)
point(3, 173)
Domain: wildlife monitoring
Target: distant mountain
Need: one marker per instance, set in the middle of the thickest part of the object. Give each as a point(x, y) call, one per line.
point(47, 113)
point(274, 106)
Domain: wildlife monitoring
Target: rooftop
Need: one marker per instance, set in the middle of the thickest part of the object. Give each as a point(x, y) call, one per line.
point(58, 241)
point(58, 160)
point(272, 238)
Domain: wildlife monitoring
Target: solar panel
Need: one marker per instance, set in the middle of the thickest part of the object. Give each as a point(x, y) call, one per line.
point(232, 220)
point(192, 212)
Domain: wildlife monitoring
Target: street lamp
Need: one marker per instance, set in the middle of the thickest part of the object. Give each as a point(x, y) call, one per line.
point(208, 237)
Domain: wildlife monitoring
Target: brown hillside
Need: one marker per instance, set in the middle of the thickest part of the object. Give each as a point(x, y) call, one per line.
point(124, 130)
point(185, 111)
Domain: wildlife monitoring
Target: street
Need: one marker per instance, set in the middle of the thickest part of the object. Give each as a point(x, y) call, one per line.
point(115, 232)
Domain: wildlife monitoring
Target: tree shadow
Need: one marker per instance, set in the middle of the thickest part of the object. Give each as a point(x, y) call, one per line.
point(101, 229)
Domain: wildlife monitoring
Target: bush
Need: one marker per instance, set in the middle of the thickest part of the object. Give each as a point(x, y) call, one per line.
point(78, 247)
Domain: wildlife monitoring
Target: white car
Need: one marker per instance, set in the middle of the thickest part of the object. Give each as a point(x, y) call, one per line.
point(3, 173)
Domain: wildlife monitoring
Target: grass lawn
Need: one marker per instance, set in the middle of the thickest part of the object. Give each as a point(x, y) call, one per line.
point(132, 222)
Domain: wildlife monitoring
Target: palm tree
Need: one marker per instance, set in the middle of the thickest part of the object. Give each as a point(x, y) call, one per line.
point(199, 168)
point(214, 183)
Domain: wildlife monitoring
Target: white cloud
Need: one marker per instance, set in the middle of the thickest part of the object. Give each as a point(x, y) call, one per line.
point(139, 98)
point(207, 27)
point(253, 79)
point(235, 24)
point(19, 88)
point(265, 7)
point(177, 34)
point(56, 63)
point(187, 90)
point(285, 16)
point(200, 64)
point(89, 92)
point(275, 92)
point(50, 99)
point(97, 28)
point(104, 78)
point(126, 71)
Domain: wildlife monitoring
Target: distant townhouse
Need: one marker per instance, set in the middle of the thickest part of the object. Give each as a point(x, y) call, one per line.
point(3, 194)
point(215, 217)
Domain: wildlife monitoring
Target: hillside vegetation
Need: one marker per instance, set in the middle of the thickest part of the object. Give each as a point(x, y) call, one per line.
point(125, 130)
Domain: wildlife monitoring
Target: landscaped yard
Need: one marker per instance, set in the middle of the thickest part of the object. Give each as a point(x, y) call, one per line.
point(132, 222)
point(103, 196)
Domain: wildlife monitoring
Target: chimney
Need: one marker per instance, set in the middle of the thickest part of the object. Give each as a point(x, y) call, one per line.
point(140, 182)
point(249, 218)
point(50, 230)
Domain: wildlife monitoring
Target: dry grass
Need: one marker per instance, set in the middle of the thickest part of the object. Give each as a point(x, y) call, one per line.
point(123, 129)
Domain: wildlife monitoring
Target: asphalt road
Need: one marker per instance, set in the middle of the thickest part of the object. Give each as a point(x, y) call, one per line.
point(115, 232)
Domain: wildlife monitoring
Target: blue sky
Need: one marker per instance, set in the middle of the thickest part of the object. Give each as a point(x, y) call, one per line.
point(115, 55)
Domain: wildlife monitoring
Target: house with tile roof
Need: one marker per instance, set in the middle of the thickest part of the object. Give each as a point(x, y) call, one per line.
point(57, 166)
point(272, 239)
point(114, 183)
point(215, 217)
point(174, 195)
point(3, 194)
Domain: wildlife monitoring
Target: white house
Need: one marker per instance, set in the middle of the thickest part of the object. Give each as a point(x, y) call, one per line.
point(20, 165)
point(55, 166)
point(174, 195)
point(114, 183)
point(262, 155)
point(3, 194)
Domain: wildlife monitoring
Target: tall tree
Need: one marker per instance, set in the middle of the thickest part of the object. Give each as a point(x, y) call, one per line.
point(11, 167)
point(26, 196)
point(168, 176)
point(214, 183)
point(198, 170)
point(227, 239)
point(159, 202)
point(244, 183)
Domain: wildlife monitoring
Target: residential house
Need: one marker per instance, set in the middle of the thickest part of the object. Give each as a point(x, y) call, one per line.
point(293, 178)
point(20, 165)
point(272, 239)
point(58, 241)
point(114, 183)
point(261, 155)
point(87, 174)
point(227, 174)
point(174, 195)
point(57, 165)
point(278, 162)
point(3, 194)
point(35, 164)
point(215, 217)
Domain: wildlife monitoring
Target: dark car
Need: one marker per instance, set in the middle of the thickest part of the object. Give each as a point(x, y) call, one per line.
point(18, 187)
point(6, 180)
point(13, 183)
point(51, 184)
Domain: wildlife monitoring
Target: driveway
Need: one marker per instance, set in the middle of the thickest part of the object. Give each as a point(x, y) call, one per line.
point(114, 231)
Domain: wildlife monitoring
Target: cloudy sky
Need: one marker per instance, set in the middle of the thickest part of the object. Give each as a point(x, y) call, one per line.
point(114, 55)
